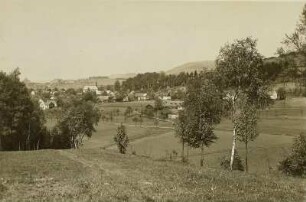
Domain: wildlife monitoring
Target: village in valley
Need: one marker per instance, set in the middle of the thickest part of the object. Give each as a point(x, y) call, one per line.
point(48, 98)
point(76, 125)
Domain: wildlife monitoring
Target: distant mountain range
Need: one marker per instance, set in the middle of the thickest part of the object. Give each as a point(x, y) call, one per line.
point(193, 66)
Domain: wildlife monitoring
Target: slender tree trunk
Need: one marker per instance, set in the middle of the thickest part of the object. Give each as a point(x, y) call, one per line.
point(234, 132)
point(73, 143)
point(202, 156)
point(0, 143)
point(28, 147)
point(187, 156)
point(37, 147)
point(183, 151)
point(246, 157)
point(233, 148)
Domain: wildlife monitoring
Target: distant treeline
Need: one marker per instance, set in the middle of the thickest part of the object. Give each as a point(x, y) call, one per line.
point(156, 81)
point(278, 70)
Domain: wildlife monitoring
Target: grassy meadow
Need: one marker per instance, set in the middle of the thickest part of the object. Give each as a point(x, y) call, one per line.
point(152, 171)
point(99, 175)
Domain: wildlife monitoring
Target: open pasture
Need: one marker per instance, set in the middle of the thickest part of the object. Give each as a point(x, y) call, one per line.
point(278, 125)
point(105, 132)
point(266, 151)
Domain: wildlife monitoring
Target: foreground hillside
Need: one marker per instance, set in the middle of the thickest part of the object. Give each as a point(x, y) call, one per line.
point(92, 174)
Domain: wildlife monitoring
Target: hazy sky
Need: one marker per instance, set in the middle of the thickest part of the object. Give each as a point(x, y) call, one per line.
point(50, 39)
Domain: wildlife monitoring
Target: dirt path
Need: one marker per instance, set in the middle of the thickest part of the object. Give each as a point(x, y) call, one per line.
point(105, 168)
point(79, 159)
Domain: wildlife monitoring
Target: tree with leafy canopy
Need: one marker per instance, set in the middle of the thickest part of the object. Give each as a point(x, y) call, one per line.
point(21, 120)
point(203, 109)
point(246, 128)
point(181, 129)
point(158, 104)
point(296, 42)
point(121, 139)
point(294, 50)
point(239, 68)
point(117, 86)
point(90, 96)
point(78, 121)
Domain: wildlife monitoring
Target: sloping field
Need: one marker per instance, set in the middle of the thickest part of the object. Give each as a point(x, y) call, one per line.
point(277, 125)
point(99, 175)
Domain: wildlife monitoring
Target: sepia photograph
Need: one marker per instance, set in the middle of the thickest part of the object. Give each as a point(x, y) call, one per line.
point(153, 100)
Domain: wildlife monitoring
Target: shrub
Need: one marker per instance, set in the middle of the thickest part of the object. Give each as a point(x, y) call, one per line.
point(295, 163)
point(281, 93)
point(237, 165)
point(122, 139)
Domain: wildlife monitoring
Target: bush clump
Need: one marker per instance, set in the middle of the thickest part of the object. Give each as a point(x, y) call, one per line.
point(295, 163)
point(122, 139)
point(237, 165)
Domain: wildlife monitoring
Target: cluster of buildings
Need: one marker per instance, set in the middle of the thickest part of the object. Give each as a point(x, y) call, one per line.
point(109, 96)
point(48, 104)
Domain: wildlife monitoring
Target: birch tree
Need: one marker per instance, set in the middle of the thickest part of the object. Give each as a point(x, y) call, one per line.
point(246, 126)
point(239, 69)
